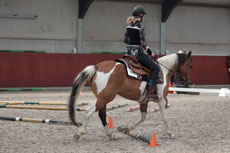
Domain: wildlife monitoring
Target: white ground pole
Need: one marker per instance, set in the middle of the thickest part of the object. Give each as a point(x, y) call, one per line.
point(223, 92)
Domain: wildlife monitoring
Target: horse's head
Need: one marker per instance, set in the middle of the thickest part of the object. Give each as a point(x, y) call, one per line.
point(184, 66)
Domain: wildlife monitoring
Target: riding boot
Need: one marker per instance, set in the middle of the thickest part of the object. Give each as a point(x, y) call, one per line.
point(152, 94)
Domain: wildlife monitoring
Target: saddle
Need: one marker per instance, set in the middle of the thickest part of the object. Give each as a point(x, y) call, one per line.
point(135, 66)
point(142, 72)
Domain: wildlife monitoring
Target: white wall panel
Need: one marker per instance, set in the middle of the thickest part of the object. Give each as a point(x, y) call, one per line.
point(205, 29)
point(56, 21)
point(105, 25)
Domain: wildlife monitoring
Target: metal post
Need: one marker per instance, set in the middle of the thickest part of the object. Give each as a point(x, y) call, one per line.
point(163, 38)
point(80, 36)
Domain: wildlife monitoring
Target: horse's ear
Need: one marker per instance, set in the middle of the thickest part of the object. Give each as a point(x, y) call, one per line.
point(189, 53)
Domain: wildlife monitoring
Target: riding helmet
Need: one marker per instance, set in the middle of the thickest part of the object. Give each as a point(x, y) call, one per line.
point(138, 10)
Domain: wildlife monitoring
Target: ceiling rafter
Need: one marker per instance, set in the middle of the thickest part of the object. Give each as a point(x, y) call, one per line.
point(83, 7)
point(167, 8)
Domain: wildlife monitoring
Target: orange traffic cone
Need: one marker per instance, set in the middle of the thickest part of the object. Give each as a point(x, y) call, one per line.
point(170, 85)
point(153, 142)
point(110, 124)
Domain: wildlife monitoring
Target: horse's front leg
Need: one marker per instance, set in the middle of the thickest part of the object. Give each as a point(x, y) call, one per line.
point(164, 118)
point(143, 110)
point(82, 129)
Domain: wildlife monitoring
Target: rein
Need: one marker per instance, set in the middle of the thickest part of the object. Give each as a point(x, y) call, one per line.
point(166, 67)
point(170, 70)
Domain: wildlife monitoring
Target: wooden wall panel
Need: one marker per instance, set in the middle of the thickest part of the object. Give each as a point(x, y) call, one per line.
point(44, 70)
point(59, 70)
point(210, 70)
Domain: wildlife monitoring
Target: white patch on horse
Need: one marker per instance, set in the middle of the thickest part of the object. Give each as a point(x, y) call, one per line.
point(102, 79)
point(142, 89)
point(170, 62)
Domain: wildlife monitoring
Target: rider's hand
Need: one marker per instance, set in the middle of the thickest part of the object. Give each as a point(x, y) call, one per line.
point(149, 51)
point(153, 55)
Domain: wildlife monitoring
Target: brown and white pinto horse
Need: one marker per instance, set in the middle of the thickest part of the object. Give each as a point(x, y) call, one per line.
point(109, 78)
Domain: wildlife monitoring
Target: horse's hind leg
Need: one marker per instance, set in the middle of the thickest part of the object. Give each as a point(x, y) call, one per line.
point(89, 112)
point(102, 114)
point(143, 110)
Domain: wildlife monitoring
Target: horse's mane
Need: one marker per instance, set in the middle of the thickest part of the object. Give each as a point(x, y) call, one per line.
point(181, 59)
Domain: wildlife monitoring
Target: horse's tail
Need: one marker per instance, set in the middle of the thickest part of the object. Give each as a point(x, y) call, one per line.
point(79, 82)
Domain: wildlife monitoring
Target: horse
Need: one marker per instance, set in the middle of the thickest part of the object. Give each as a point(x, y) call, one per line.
point(108, 79)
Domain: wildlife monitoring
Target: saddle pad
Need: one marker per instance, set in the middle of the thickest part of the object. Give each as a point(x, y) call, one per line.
point(131, 73)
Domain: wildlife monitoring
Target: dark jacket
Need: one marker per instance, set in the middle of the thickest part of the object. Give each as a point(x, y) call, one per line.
point(135, 35)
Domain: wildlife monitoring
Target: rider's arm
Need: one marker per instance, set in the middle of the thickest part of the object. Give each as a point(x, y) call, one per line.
point(143, 42)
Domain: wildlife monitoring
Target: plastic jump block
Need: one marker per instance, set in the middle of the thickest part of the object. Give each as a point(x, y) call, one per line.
point(39, 107)
point(38, 103)
point(18, 89)
point(35, 120)
point(133, 134)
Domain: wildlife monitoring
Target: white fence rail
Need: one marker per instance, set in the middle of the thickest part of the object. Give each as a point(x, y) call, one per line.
point(223, 92)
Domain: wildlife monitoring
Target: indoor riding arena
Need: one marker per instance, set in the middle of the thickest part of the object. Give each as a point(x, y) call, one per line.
point(45, 44)
point(199, 122)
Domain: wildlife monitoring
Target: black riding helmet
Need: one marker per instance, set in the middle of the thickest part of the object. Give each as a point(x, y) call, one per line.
point(138, 10)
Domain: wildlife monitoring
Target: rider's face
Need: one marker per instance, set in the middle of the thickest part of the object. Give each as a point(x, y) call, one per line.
point(142, 16)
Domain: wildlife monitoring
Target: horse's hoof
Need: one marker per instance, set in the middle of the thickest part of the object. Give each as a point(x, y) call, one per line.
point(123, 129)
point(112, 137)
point(76, 137)
point(126, 130)
point(79, 124)
point(172, 136)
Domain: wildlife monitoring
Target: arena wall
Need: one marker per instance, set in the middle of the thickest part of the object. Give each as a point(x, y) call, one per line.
point(48, 25)
point(44, 70)
point(52, 26)
point(204, 30)
point(104, 28)
point(59, 70)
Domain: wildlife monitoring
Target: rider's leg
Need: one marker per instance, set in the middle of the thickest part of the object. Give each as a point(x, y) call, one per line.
point(146, 61)
point(154, 75)
point(152, 86)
